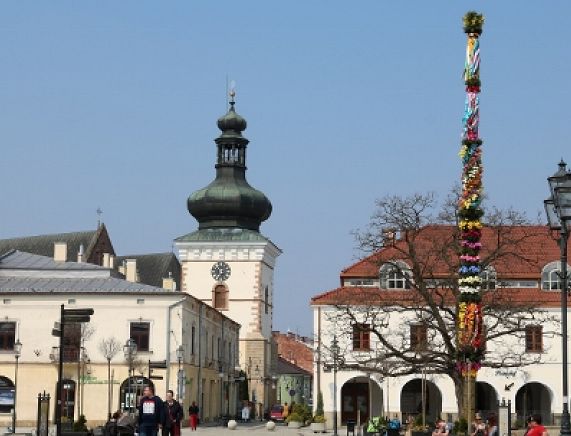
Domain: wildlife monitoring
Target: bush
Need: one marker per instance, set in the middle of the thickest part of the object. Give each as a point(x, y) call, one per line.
point(461, 426)
point(319, 419)
point(303, 411)
point(79, 425)
point(295, 417)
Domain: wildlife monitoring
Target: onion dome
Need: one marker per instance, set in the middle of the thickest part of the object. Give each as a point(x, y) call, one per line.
point(229, 201)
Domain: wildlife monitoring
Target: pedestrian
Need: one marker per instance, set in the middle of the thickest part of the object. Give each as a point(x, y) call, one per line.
point(172, 415)
point(285, 413)
point(536, 429)
point(150, 413)
point(193, 416)
point(478, 426)
point(246, 413)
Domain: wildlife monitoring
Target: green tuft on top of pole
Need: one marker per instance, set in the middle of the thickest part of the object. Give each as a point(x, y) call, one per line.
point(473, 22)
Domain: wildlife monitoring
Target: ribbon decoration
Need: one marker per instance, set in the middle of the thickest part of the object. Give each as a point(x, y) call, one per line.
point(470, 346)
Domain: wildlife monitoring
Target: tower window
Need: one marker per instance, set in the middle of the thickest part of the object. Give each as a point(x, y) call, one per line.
point(220, 297)
point(266, 300)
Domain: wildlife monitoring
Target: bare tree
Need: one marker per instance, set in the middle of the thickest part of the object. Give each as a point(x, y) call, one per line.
point(419, 242)
point(109, 348)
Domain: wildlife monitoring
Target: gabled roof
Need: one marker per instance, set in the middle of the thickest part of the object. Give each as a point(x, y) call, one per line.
point(43, 245)
point(529, 250)
point(287, 368)
point(153, 268)
point(19, 260)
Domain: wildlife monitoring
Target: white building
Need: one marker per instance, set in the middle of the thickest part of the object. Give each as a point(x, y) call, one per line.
point(33, 287)
point(524, 276)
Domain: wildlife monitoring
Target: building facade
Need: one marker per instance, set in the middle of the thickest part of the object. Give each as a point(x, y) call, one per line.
point(198, 343)
point(378, 293)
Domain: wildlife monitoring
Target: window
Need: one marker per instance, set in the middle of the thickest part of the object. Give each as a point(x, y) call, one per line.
point(192, 339)
point(534, 339)
point(7, 336)
point(6, 395)
point(488, 277)
point(140, 334)
point(220, 297)
point(71, 342)
point(266, 299)
point(361, 337)
point(395, 276)
point(418, 337)
point(550, 279)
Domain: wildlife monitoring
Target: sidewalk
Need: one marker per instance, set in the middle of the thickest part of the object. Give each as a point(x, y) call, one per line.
point(255, 427)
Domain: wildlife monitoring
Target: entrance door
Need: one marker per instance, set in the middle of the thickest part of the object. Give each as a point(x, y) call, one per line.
point(354, 400)
point(68, 401)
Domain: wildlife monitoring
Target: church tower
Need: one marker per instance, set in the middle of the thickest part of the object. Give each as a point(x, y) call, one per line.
point(227, 262)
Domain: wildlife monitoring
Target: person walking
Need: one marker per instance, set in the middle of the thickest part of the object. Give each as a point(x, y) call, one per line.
point(172, 415)
point(150, 413)
point(193, 416)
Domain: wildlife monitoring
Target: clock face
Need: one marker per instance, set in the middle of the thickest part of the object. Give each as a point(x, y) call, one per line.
point(220, 271)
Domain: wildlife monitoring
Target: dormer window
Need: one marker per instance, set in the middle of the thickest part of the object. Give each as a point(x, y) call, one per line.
point(489, 277)
point(550, 276)
point(395, 275)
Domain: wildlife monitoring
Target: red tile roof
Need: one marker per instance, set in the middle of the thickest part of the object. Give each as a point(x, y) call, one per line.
point(293, 349)
point(526, 250)
point(355, 295)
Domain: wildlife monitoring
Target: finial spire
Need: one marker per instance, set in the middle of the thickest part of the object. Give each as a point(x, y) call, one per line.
point(232, 93)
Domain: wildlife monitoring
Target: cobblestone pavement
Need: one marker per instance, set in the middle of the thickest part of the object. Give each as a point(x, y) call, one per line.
point(257, 428)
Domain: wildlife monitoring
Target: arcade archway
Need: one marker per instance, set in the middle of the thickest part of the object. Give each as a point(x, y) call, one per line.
point(411, 400)
point(533, 398)
point(363, 396)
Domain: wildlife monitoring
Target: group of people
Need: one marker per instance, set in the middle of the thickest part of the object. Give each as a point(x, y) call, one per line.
point(480, 427)
point(154, 414)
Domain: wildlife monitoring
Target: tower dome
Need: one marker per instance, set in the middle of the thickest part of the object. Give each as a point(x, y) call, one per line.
point(229, 201)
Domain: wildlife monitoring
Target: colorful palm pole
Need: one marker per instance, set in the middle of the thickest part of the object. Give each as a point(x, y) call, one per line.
point(470, 321)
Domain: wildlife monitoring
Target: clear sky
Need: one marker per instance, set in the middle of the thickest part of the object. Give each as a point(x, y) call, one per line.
point(113, 104)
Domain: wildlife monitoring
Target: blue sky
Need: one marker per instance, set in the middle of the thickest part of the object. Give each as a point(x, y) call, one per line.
point(114, 105)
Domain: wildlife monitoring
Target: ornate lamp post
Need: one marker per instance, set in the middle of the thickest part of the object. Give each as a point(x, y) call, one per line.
point(180, 358)
point(558, 209)
point(130, 351)
point(335, 350)
point(17, 354)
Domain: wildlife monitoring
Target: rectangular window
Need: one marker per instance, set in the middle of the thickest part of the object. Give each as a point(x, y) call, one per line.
point(71, 342)
point(534, 339)
point(361, 337)
point(7, 336)
point(140, 332)
point(418, 337)
point(192, 339)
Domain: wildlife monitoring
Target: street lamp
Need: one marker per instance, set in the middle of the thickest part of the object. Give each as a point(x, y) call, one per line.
point(335, 350)
point(180, 358)
point(130, 351)
point(558, 209)
point(17, 354)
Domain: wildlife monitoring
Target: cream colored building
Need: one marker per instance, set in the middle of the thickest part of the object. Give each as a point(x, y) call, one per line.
point(160, 320)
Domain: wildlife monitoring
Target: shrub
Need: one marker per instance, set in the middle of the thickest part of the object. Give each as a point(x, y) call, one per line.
point(294, 417)
point(79, 425)
point(461, 426)
point(319, 419)
point(319, 405)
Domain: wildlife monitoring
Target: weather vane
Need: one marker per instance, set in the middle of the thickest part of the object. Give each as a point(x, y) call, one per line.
point(99, 212)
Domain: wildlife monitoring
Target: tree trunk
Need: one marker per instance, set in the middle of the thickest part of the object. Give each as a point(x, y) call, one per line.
point(465, 390)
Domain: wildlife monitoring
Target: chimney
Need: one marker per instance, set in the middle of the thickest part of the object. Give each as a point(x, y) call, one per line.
point(60, 251)
point(80, 254)
point(169, 283)
point(131, 270)
point(111, 261)
point(105, 260)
